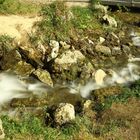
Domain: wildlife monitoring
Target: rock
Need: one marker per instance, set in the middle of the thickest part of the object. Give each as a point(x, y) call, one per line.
point(22, 68)
point(70, 57)
point(136, 41)
point(99, 76)
point(42, 49)
point(126, 49)
point(43, 76)
point(101, 8)
point(101, 40)
point(88, 109)
point(10, 59)
point(116, 51)
point(28, 102)
point(64, 45)
point(2, 134)
point(103, 49)
point(65, 113)
point(55, 48)
point(31, 55)
point(101, 94)
point(109, 20)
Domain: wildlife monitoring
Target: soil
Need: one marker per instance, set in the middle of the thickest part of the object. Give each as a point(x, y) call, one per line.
point(16, 26)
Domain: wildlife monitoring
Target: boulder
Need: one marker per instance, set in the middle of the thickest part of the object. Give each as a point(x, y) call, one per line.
point(70, 57)
point(31, 55)
point(103, 49)
point(65, 113)
point(10, 59)
point(22, 68)
point(72, 65)
point(2, 134)
point(99, 76)
point(109, 20)
point(43, 76)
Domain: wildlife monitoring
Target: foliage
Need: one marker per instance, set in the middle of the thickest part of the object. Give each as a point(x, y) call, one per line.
point(17, 7)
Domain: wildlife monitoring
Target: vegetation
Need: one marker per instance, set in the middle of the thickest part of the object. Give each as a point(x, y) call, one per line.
point(61, 23)
point(128, 92)
point(18, 7)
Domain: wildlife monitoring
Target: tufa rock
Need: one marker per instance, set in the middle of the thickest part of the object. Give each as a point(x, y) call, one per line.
point(70, 57)
point(99, 76)
point(2, 134)
point(64, 45)
point(109, 20)
point(22, 68)
point(116, 51)
point(55, 48)
point(101, 8)
point(101, 40)
point(65, 113)
point(103, 49)
point(43, 76)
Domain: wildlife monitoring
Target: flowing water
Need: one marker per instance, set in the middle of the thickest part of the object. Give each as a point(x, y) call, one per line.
point(11, 86)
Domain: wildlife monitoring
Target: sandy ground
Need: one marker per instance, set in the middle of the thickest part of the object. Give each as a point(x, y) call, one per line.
point(16, 26)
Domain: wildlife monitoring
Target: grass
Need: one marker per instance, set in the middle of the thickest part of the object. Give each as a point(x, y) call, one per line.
point(32, 126)
point(127, 93)
point(17, 7)
point(61, 23)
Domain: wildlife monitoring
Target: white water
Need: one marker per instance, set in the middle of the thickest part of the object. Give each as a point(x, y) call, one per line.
point(124, 76)
point(11, 87)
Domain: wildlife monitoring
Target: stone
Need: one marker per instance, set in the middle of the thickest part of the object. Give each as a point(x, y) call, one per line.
point(101, 40)
point(22, 68)
point(64, 45)
point(10, 59)
point(101, 8)
point(65, 113)
point(116, 51)
point(103, 49)
point(2, 134)
point(31, 55)
point(126, 49)
point(88, 109)
point(99, 76)
point(43, 76)
point(70, 57)
point(109, 20)
point(55, 48)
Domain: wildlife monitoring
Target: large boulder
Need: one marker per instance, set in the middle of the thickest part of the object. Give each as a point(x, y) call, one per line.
point(65, 113)
point(71, 65)
point(43, 76)
point(70, 57)
point(2, 134)
point(22, 68)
